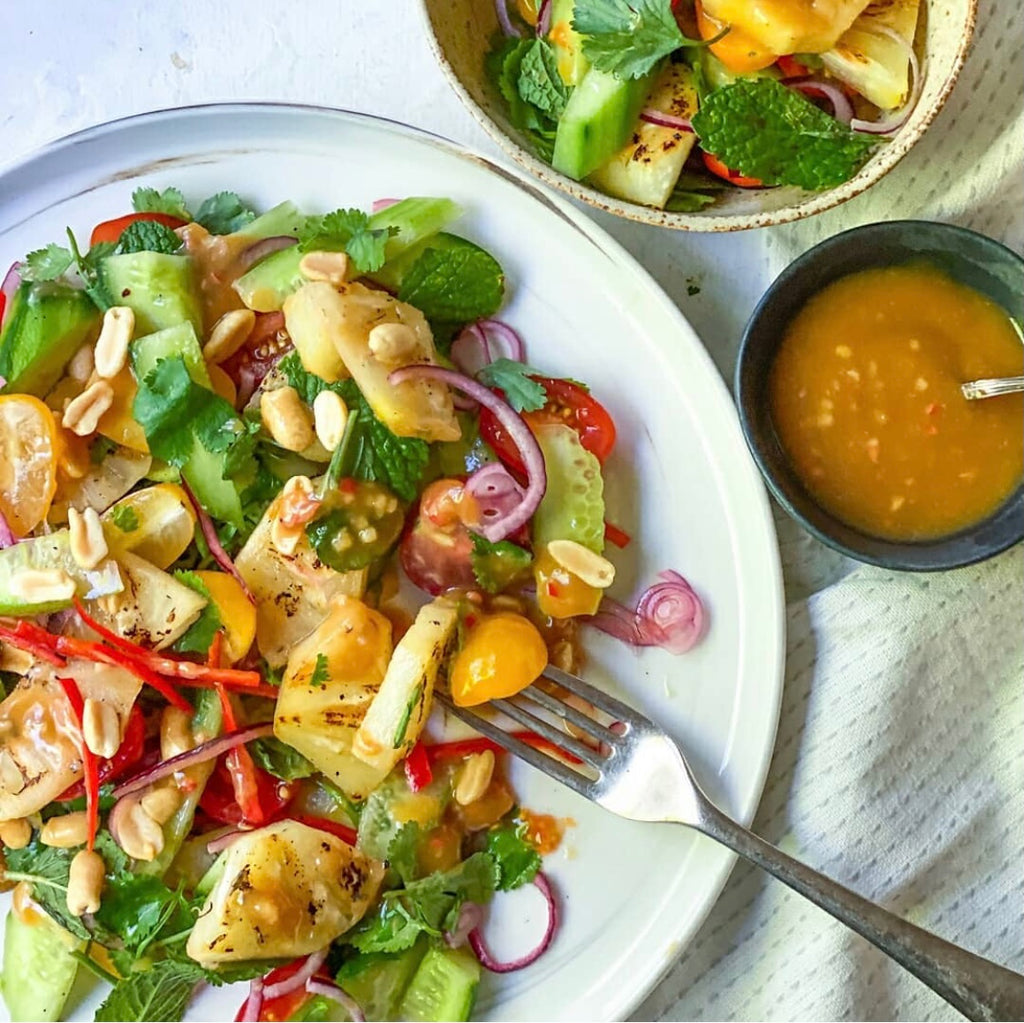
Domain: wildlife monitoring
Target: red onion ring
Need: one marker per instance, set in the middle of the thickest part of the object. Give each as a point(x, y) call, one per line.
point(205, 751)
point(471, 916)
point(544, 18)
point(297, 979)
point(209, 531)
point(253, 1005)
point(382, 204)
point(7, 537)
point(495, 491)
point(842, 108)
point(898, 118)
point(514, 426)
point(476, 344)
point(261, 249)
point(663, 120)
point(11, 283)
point(488, 961)
point(501, 10)
point(669, 615)
point(324, 988)
point(222, 842)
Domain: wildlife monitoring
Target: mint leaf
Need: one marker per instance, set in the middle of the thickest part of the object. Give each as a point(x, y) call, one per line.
point(764, 130)
point(522, 392)
point(496, 565)
point(402, 852)
point(280, 760)
point(321, 674)
point(456, 282)
point(123, 516)
point(148, 236)
point(348, 230)
point(45, 264)
point(540, 83)
point(159, 993)
point(169, 201)
point(516, 861)
point(198, 637)
point(224, 213)
point(628, 39)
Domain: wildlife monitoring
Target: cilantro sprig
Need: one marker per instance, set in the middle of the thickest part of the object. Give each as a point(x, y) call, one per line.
point(522, 392)
point(169, 201)
point(349, 231)
point(199, 636)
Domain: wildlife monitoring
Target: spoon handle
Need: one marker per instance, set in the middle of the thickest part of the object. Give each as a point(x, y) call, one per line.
point(990, 388)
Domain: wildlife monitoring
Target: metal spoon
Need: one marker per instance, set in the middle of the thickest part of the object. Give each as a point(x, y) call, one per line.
point(992, 387)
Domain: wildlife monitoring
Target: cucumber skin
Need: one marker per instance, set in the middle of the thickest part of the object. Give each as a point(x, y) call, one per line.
point(38, 970)
point(158, 287)
point(443, 987)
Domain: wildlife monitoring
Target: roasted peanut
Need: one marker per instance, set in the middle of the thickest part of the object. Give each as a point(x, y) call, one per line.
point(15, 834)
point(101, 727)
point(11, 778)
point(81, 365)
point(161, 802)
point(393, 344)
point(175, 732)
point(112, 345)
point(582, 562)
point(84, 413)
point(285, 538)
point(325, 266)
point(85, 882)
point(229, 333)
point(138, 834)
point(474, 777)
point(14, 660)
point(87, 541)
point(330, 416)
point(42, 585)
point(65, 831)
point(287, 419)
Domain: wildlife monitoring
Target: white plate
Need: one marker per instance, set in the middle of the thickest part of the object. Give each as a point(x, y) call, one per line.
point(680, 482)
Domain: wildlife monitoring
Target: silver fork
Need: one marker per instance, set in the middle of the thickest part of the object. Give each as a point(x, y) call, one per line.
point(638, 772)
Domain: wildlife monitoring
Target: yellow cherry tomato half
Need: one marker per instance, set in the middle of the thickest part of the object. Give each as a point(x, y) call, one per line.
point(502, 655)
point(237, 613)
point(560, 594)
point(156, 523)
point(28, 461)
point(736, 50)
point(223, 385)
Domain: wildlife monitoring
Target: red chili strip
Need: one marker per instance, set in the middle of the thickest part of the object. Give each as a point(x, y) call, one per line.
point(43, 651)
point(467, 747)
point(418, 772)
point(342, 831)
point(90, 764)
point(617, 536)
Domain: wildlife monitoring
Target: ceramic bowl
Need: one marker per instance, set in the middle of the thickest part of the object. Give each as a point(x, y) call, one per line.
point(968, 257)
point(460, 32)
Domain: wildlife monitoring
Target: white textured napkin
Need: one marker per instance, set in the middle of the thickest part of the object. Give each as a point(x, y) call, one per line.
point(899, 766)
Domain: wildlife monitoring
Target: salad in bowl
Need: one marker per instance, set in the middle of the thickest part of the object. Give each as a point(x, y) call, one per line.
point(267, 482)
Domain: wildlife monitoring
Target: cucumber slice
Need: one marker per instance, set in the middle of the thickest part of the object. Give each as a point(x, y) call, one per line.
point(568, 43)
point(377, 980)
point(443, 987)
point(38, 969)
point(52, 552)
point(158, 287)
point(573, 504)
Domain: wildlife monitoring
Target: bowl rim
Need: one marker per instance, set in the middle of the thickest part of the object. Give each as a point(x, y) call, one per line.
point(906, 555)
point(709, 222)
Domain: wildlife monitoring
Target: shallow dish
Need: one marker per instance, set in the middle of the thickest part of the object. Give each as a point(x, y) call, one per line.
point(630, 904)
point(968, 257)
point(460, 32)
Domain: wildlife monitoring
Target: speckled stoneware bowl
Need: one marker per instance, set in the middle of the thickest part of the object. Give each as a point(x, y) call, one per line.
point(460, 32)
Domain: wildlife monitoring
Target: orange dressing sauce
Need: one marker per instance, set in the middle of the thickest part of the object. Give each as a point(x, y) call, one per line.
point(865, 397)
point(543, 831)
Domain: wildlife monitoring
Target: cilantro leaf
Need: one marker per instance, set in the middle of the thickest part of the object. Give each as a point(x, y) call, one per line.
point(159, 993)
point(540, 83)
point(148, 236)
point(176, 413)
point(348, 230)
point(198, 637)
point(123, 516)
point(88, 269)
point(455, 282)
point(764, 130)
point(496, 565)
point(522, 392)
point(515, 860)
point(627, 39)
point(224, 213)
point(374, 452)
point(321, 674)
point(45, 264)
point(169, 201)
point(280, 760)
point(402, 852)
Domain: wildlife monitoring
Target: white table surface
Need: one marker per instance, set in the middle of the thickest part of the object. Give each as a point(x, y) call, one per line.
point(65, 65)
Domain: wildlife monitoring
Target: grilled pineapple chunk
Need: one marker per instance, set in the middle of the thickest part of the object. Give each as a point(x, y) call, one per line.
point(872, 61)
point(788, 26)
point(331, 679)
point(646, 169)
point(293, 591)
point(340, 321)
point(286, 890)
point(400, 708)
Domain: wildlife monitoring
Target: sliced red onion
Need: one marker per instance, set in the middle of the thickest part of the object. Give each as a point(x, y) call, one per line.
point(517, 430)
point(898, 118)
point(12, 280)
point(261, 249)
point(324, 988)
point(495, 490)
point(544, 18)
point(471, 916)
point(253, 1005)
point(488, 961)
point(297, 979)
point(209, 531)
point(481, 343)
point(382, 204)
point(842, 108)
point(7, 537)
point(217, 845)
point(501, 10)
point(206, 751)
point(663, 120)
point(669, 615)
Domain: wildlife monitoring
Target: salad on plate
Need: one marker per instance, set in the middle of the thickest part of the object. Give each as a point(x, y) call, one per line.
point(265, 483)
point(665, 103)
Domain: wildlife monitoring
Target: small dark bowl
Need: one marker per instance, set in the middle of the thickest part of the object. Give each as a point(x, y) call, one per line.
point(968, 257)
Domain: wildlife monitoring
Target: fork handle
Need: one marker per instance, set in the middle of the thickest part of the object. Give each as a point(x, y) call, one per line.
point(980, 989)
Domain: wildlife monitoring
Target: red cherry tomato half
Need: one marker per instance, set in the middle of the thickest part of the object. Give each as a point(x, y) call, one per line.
point(218, 800)
point(716, 166)
point(110, 230)
point(567, 403)
point(128, 754)
point(435, 550)
point(791, 67)
point(264, 347)
point(275, 1010)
